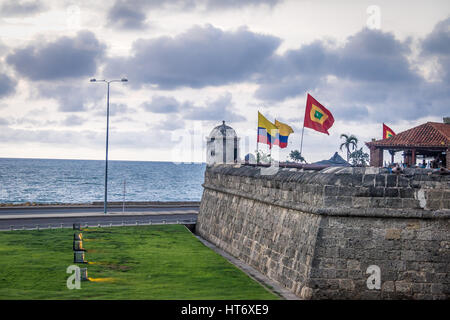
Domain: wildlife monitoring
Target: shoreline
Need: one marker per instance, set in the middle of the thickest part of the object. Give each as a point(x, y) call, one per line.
point(99, 204)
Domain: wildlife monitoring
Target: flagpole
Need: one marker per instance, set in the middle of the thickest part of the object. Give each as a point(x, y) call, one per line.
point(303, 130)
point(257, 150)
point(301, 143)
point(257, 145)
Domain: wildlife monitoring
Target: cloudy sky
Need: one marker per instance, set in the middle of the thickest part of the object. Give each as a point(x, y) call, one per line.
point(193, 63)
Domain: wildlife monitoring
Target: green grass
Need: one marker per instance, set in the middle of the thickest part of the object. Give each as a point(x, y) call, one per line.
point(146, 262)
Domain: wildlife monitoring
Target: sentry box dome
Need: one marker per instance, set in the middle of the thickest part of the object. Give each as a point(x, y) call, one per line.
point(78, 257)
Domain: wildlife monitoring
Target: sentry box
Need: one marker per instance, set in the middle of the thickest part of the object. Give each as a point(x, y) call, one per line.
point(78, 257)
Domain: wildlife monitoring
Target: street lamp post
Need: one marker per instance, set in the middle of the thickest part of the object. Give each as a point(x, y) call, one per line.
point(105, 206)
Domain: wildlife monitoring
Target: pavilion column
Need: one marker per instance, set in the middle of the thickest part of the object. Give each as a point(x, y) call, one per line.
point(447, 158)
point(413, 157)
point(376, 157)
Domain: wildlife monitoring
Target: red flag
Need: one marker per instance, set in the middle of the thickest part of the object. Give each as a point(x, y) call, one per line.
point(317, 117)
point(387, 132)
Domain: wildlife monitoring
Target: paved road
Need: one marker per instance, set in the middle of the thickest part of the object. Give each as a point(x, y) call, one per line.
point(31, 218)
point(99, 210)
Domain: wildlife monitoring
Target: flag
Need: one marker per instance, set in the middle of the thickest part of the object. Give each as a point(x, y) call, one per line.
point(387, 132)
point(317, 117)
point(267, 131)
point(283, 133)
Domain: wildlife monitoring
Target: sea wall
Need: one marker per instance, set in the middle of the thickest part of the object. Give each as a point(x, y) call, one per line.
point(316, 233)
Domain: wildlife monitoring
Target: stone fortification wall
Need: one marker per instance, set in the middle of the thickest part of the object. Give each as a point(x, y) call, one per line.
point(317, 233)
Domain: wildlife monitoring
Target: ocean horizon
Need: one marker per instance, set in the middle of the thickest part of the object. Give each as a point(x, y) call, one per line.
point(82, 181)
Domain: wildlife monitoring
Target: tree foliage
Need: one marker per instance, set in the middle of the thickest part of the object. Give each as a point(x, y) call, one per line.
point(359, 158)
point(350, 142)
point(296, 156)
point(262, 157)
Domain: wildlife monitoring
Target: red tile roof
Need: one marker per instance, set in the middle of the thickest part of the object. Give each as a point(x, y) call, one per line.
point(430, 134)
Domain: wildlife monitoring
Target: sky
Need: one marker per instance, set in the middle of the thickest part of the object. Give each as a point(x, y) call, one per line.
point(191, 64)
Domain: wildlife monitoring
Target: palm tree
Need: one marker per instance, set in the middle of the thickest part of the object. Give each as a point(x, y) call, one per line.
point(350, 141)
point(297, 156)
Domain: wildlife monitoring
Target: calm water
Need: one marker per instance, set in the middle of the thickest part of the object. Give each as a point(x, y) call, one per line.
point(80, 181)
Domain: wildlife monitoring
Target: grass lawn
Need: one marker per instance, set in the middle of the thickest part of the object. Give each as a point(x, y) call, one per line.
point(145, 262)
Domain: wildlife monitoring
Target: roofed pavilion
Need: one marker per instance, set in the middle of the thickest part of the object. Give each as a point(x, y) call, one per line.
point(428, 140)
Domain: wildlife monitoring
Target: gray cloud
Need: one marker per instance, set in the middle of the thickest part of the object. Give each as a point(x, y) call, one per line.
point(73, 120)
point(219, 108)
point(437, 44)
point(438, 41)
point(118, 109)
point(47, 136)
point(236, 4)
point(373, 77)
point(127, 15)
point(115, 109)
point(20, 8)
point(62, 59)
point(370, 56)
point(72, 97)
point(7, 85)
point(131, 14)
point(170, 123)
point(213, 110)
point(200, 57)
point(351, 113)
point(161, 104)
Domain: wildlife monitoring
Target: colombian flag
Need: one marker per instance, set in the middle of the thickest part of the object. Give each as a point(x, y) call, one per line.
point(284, 132)
point(267, 131)
point(273, 134)
point(317, 117)
point(387, 132)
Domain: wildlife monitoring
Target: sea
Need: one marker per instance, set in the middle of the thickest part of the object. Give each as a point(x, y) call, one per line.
point(83, 181)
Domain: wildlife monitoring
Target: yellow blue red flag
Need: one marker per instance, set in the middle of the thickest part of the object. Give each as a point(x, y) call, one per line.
point(273, 134)
point(284, 132)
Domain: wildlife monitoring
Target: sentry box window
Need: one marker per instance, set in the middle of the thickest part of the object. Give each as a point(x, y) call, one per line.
point(78, 257)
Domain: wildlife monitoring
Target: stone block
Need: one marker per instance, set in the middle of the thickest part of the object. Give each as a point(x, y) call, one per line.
point(393, 234)
point(388, 286)
point(376, 192)
point(391, 181)
point(406, 192)
point(380, 180)
point(368, 180)
point(403, 286)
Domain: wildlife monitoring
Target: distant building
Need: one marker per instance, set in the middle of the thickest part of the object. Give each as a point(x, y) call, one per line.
point(335, 161)
point(430, 140)
point(222, 145)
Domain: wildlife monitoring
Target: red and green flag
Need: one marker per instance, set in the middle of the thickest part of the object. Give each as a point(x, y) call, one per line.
point(317, 117)
point(387, 132)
